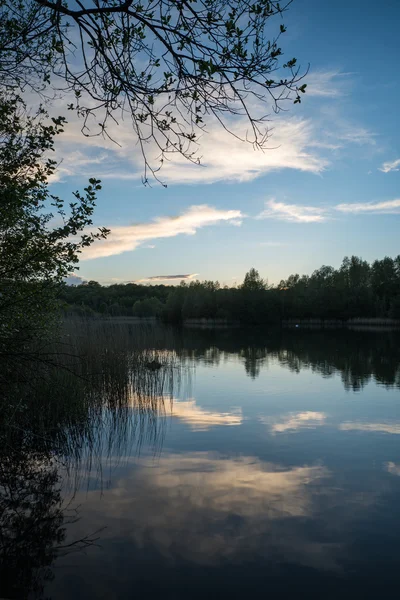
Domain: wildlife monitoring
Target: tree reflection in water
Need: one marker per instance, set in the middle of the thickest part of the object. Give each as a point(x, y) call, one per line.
point(33, 521)
point(358, 356)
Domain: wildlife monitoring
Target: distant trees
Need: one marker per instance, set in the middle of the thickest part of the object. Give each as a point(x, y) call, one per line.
point(385, 282)
point(253, 282)
point(149, 307)
point(355, 289)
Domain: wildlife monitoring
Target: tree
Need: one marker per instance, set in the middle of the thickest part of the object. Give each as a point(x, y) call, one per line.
point(172, 65)
point(253, 281)
point(148, 307)
point(40, 236)
point(383, 282)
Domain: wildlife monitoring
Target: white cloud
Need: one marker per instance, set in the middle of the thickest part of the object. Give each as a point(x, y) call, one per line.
point(355, 135)
point(393, 468)
point(386, 207)
point(226, 158)
point(167, 277)
point(392, 428)
point(76, 162)
point(125, 238)
point(327, 84)
point(390, 166)
point(200, 419)
point(74, 279)
point(338, 130)
point(292, 212)
point(295, 421)
point(293, 144)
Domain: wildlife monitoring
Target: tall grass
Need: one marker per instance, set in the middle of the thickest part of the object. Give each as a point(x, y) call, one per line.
point(93, 394)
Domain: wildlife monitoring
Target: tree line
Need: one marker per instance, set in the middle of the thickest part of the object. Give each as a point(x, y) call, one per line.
point(357, 289)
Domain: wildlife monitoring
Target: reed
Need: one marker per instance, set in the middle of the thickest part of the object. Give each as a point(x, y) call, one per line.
point(94, 393)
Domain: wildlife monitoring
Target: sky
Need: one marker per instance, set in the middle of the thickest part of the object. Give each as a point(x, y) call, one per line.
point(327, 186)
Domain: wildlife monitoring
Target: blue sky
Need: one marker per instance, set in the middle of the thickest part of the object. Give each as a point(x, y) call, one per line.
point(328, 187)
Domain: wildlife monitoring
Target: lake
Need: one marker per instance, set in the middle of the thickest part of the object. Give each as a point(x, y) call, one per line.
point(248, 463)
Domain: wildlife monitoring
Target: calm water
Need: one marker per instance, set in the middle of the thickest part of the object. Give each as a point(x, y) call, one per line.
point(273, 466)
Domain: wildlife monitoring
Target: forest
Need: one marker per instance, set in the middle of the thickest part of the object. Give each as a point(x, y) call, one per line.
point(357, 289)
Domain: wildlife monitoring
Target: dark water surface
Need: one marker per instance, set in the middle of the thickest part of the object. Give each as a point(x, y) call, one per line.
point(273, 468)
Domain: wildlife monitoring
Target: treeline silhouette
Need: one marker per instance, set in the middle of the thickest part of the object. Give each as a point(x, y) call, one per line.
point(357, 289)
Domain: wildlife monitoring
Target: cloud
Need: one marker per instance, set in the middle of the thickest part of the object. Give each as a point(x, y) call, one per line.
point(386, 207)
point(293, 144)
point(226, 158)
point(295, 421)
point(74, 162)
point(200, 419)
point(167, 277)
point(73, 279)
point(126, 238)
point(327, 84)
point(298, 143)
point(295, 213)
point(355, 135)
point(390, 166)
point(393, 468)
point(392, 428)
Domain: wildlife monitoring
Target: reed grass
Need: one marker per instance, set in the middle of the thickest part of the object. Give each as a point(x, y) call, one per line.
point(92, 395)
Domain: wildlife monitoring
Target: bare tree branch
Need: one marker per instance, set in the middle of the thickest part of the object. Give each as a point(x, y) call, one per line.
point(171, 65)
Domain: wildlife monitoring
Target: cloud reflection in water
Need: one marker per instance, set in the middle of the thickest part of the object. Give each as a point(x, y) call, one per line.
point(200, 419)
point(294, 421)
point(205, 508)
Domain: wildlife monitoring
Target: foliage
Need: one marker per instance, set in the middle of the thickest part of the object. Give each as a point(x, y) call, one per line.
point(149, 307)
point(40, 237)
point(253, 282)
point(171, 66)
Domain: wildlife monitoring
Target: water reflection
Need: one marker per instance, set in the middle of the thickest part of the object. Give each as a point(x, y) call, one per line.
point(392, 428)
point(257, 474)
point(33, 521)
point(358, 356)
point(295, 421)
point(91, 406)
point(200, 419)
point(31, 525)
point(245, 522)
point(206, 508)
point(392, 468)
